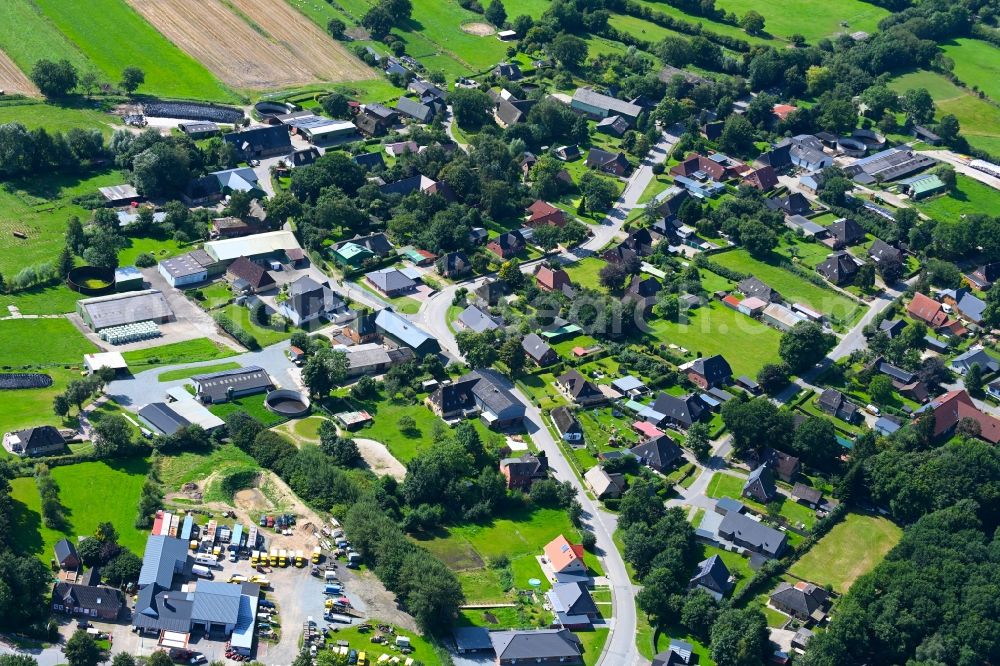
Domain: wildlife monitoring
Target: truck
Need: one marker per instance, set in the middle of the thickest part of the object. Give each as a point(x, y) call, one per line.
point(330, 575)
point(282, 558)
point(332, 588)
point(217, 551)
point(317, 554)
point(274, 557)
point(260, 580)
point(201, 571)
point(254, 557)
point(354, 560)
point(300, 559)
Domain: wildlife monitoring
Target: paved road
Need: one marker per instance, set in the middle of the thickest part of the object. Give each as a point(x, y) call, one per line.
point(48, 657)
point(961, 164)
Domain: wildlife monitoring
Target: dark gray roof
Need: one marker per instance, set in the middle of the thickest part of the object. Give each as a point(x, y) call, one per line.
point(390, 280)
point(414, 109)
point(752, 286)
point(712, 574)
point(572, 599)
point(540, 644)
point(883, 253)
point(892, 327)
point(217, 385)
point(715, 369)
point(902, 375)
point(39, 439)
point(370, 160)
point(847, 231)
point(377, 243)
point(684, 410)
point(472, 639)
point(803, 598)
point(493, 390)
point(88, 596)
point(64, 549)
point(163, 418)
point(658, 452)
point(535, 347)
point(808, 493)
point(577, 385)
point(760, 484)
point(565, 421)
point(476, 320)
point(162, 610)
point(306, 296)
point(264, 138)
point(978, 357)
point(761, 538)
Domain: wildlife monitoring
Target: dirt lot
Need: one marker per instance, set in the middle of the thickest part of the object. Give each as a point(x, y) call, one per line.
point(13, 80)
point(479, 29)
point(270, 46)
point(379, 459)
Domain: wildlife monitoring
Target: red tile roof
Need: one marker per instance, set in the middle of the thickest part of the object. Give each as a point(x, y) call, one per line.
point(647, 429)
point(926, 309)
point(954, 406)
point(561, 553)
point(782, 110)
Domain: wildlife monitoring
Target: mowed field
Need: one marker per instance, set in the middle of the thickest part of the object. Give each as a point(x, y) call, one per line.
point(255, 44)
point(813, 19)
point(977, 64)
point(980, 120)
point(850, 550)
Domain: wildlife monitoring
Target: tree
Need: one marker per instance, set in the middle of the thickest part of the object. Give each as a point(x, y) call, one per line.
point(918, 105)
point(112, 436)
point(865, 277)
point(89, 551)
point(60, 405)
point(159, 658)
point(756, 422)
point(974, 380)
point(752, 22)
point(699, 613)
point(54, 79)
point(511, 354)
point(773, 378)
point(75, 238)
point(815, 440)
point(740, 637)
point(64, 264)
point(804, 345)
point(343, 451)
point(660, 596)
point(471, 107)
point(880, 389)
point(123, 568)
point(335, 104)
point(132, 78)
point(600, 192)
point(336, 28)
point(570, 51)
point(946, 173)
point(479, 349)
point(324, 370)
point(757, 238)
point(88, 81)
point(81, 650)
point(162, 169)
point(378, 22)
point(737, 135)
point(510, 274)
point(496, 13)
point(698, 441)
point(613, 276)
point(948, 128)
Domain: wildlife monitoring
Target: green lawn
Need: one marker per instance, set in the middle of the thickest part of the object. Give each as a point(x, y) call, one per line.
point(592, 643)
point(542, 390)
point(180, 468)
point(401, 304)
point(169, 71)
point(667, 633)
point(27, 36)
point(850, 550)
point(252, 405)
point(727, 485)
point(91, 492)
point(738, 565)
point(586, 273)
point(160, 249)
point(641, 28)
point(265, 336)
point(521, 535)
point(215, 295)
point(715, 329)
point(53, 299)
point(977, 64)
point(422, 649)
point(184, 373)
point(32, 114)
point(727, 29)
point(175, 353)
point(813, 19)
point(39, 208)
point(385, 425)
point(969, 196)
point(33, 407)
point(42, 343)
point(793, 288)
point(980, 120)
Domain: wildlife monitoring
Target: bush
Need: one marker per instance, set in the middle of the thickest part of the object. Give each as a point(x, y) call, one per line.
point(232, 328)
point(145, 260)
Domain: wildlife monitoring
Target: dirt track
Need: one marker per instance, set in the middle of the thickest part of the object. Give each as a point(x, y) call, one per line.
point(270, 46)
point(13, 80)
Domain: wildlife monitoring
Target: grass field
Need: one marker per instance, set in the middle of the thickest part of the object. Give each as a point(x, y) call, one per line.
point(54, 118)
point(727, 485)
point(26, 35)
point(360, 641)
point(521, 536)
point(585, 273)
point(199, 349)
point(713, 26)
point(160, 248)
point(265, 336)
point(792, 287)
point(184, 373)
point(715, 329)
point(91, 492)
point(401, 304)
point(980, 120)
point(641, 28)
point(176, 470)
point(169, 71)
point(977, 64)
point(63, 344)
point(969, 196)
point(384, 428)
point(53, 299)
point(39, 208)
point(850, 550)
point(252, 405)
point(822, 17)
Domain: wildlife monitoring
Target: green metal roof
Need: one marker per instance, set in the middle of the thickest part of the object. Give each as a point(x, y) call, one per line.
point(349, 251)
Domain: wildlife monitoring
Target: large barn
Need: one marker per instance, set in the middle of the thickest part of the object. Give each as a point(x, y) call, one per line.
point(126, 308)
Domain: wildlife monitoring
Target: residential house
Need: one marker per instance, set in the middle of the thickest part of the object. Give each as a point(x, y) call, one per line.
point(567, 153)
point(846, 231)
point(793, 204)
point(838, 268)
point(975, 356)
point(232, 227)
point(551, 279)
point(303, 157)
point(700, 168)
point(309, 301)
point(538, 350)
point(218, 387)
point(643, 291)
point(250, 277)
point(615, 126)
point(778, 158)
point(391, 282)
point(37, 441)
point(754, 287)
point(599, 106)
point(218, 184)
point(781, 464)
point(490, 291)
point(577, 388)
point(537, 646)
point(66, 556)
point(352, 255)
point(615, 164)
point(541, 212)
point(752, 535)
point(927, 310)
point(884, 254)
point(984, 276)
point(806, 151)
point(658, 453)
point(478, 236)
point(709, 372)
point(477, 320)
point(566, 424)
point(806, 495)
point(572, 605)
point(362, 328)
point(954, 406)
point(508, 70)
point(370, 161)
point(803, 601)
point(603, 484)
point(892, 327)
point(678, 653)
point(400, 148)
point(763, 178)
point(378, 244)
point(419, 111)
point(713, 577)
point(404, 332)
point(965, 303)
point(509, 111)
point(507, 244)
point(260, 142)
point(484, 392)
point(91, 601)
point(521, 472)
point(760, 485)
point(835, 403)
point(682, 411)
point(565, 559)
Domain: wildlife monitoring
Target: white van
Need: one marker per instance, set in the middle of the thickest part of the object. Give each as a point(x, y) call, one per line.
point(872, 409)
point(201, 571)
point(206, 560)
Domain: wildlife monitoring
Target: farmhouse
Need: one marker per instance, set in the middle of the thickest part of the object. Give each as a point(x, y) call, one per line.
point(681, 412)
point(709, 372)
point(572, 605)
point(523, 471)
point(615, 164)
point(261, 141)
point(659, 453)
point(803, 601)
point(273, 244)
point(507, 244)
point(565, 559)
point(835, 403)
point(118, 196)
point(127, 308)
point(954, 406)
point(484, 392)
point(713, 577)
point(30, 442)
point(104, 603)
point(218, 387)
point(927, 310)
point(403, 332)
point(599, 106)
point(536, 646)
point(541, 212)
point(250, 277)
point(423, 113)
point(579, 389)
point(551, 280)
point(454, 265)
point(375, 359)
point(567, 424)
point(309, 301)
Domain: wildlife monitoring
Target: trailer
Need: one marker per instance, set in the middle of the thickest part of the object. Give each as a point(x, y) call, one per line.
point(175, 525)
point(333, 588)
point(354, 560)
point(317, 554)
point(187, 527)
point(329, 575)
point(254, 557)
point(236, 540)
point(300, 559)
point(208, 534)
point(338, 617)
point(157, 521)
point(274, 556)
point(252, 537)
point(165, 524)
point(282, 557)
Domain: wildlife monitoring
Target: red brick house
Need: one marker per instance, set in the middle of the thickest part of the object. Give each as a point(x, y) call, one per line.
point(927, 310)
point(552, 280)
point(506, 245)
point(522, 472)
point(763, 179)
point(542, 212)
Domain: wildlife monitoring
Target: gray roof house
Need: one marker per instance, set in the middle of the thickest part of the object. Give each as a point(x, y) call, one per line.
point(390, 282)
point(754, 287)
point(538, 350)
point(658, 453)
point(66, 555)
point(475, 319)
point(572, 605)
point(567, 424)
point(750, 534)
point(164, 557)
point(37, 441)
point(680, 411)
point(678, 653)
point(599, 106)
point(406, 333)
point(803, 600)
point(713, 577)
point(760, 485)
point(309, 300)
point(537, 645)
point(975, 356)
point(579, 389)
point(414, 109)
point(838, 268)
point(484, 391)
point(96, 601)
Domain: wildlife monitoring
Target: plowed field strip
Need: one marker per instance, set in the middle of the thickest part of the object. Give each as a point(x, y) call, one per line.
point(12, 79)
